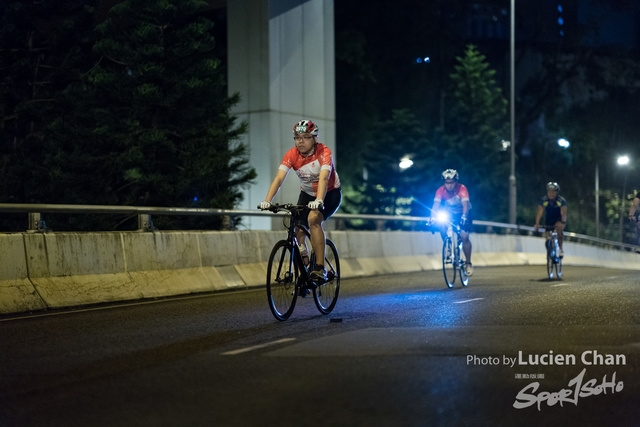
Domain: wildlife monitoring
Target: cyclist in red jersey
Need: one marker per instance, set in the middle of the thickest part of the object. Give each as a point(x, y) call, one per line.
point(454, 198)
point(319, 189)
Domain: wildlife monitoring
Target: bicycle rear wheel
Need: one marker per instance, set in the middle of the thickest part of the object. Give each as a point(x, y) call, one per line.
point(282, 281)
point(448, 266)
point(325, 295)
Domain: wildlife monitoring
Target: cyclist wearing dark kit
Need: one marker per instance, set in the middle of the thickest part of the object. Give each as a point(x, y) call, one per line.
point(554, 208)
point(454, 198)
point(635, 206)
point(319, 189)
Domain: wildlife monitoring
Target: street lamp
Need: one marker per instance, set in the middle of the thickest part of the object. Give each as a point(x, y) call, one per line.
point(512, 173)
point(623, 161)
point(597, 195)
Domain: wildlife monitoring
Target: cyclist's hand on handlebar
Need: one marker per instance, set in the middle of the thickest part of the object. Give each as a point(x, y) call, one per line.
point(264, 205)
point(536, 227)
point(316, 204)
point(463, 221)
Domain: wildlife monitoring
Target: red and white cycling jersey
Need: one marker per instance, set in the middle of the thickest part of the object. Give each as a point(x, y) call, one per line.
point(453, 201)
point(308, 168)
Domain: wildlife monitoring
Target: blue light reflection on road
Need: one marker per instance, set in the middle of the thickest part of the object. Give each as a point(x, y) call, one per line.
point(423, 308)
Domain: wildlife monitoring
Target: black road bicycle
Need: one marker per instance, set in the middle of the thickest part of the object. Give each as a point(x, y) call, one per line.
point(453, 263)
point(287, 275)
point(554, 262)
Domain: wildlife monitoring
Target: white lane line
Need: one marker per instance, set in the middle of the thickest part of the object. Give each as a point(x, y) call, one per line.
point(561, 284)
point(467, 300)
point(255, 347)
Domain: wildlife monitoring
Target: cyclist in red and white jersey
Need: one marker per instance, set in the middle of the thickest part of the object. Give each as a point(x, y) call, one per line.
point(320, 189)
point(454, 198)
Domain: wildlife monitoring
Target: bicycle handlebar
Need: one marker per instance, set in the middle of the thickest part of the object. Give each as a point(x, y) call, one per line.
point(290, 207)
point(456, 227)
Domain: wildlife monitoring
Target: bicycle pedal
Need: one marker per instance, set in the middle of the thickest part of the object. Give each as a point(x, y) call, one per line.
point(304, 292)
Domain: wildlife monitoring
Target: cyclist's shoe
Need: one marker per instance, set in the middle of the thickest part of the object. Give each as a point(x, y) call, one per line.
point(468, 268)
point(304, 291)
point(319, 274)
point(560, 253)
point(447, 258)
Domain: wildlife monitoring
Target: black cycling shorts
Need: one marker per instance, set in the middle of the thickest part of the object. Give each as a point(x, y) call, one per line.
point(331, 204)
point(455, 218)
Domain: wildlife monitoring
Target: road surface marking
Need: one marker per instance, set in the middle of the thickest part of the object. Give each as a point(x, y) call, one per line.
point(467, 300)
point(255, 347)
point(561, 284)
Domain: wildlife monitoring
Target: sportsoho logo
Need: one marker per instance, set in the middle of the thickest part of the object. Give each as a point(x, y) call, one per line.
point(577, 387)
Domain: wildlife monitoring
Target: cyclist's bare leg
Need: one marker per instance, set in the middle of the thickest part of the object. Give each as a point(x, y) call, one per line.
point(302, 240)
point(559, 231)
point(318, 239)
point(466, 246)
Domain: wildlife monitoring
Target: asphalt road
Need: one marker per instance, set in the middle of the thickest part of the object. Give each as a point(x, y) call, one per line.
point(511, 349)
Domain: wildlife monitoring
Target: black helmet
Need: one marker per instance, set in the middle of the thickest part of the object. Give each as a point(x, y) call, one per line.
point(553, 186)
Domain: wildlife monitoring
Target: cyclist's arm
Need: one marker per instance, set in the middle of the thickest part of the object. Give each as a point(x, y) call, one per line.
point(435, 208)
point(276, 184)
point(323, 182)
point(563, 216)
point(465, 208)
point(539, 215)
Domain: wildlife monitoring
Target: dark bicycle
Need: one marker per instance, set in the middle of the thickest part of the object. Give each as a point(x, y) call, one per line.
point(287, 275)
point(554, 261)
point(453, 263)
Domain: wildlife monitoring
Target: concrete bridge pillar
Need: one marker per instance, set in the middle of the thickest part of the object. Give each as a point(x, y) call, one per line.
point(281, 61)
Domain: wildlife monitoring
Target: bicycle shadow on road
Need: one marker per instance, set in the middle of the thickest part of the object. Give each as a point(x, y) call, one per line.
point(546, 280)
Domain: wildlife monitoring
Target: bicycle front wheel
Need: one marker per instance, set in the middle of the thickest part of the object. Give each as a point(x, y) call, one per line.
point(550, 266)
point(448, 266)
point(325, 294)
point(464, 277)
point(282, 281)
point(559, 269)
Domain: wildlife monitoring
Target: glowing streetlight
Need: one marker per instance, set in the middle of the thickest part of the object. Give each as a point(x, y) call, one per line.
point(405, 163)
point(563, 143)
point(623, 160)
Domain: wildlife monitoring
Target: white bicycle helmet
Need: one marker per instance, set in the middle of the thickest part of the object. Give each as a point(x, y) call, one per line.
point(305, 126)
point(450, 174)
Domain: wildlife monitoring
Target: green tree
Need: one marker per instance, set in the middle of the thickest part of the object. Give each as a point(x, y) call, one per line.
point(44, 47)
point(150, 125)
point(386, 188)
point(471, 141)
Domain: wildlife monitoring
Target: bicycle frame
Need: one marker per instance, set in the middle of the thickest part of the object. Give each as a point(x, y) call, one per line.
point(452, 263)
point(296, 260)
point(288, 277)
point(554, 262)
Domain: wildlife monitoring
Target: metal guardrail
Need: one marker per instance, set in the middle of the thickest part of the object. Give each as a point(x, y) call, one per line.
point(145, 223)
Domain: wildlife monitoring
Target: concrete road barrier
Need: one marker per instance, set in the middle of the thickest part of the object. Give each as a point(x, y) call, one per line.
point(55, 270)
